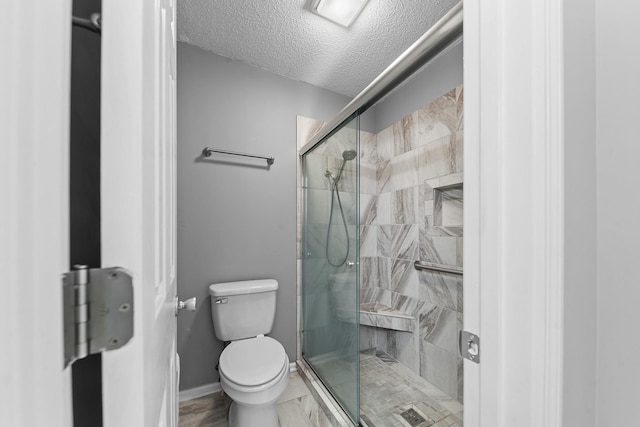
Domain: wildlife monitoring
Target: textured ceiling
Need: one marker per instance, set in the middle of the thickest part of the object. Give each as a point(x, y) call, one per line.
point(284, 37)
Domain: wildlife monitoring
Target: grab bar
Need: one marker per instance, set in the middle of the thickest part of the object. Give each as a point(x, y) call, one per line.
point(423, 265)
point(208, 151)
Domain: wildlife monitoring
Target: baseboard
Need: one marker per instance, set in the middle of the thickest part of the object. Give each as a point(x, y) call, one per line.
point(203, 390)
point(196, 392)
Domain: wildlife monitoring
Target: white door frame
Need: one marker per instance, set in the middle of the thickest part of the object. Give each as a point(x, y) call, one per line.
point(34, 210)
point(514, 211)
point(514, 100)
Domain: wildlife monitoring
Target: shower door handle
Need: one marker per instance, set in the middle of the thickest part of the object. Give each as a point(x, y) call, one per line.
point(350, 264)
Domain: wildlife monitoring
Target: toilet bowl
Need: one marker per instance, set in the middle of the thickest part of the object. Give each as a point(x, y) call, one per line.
point(253, 368)
point(254, 373)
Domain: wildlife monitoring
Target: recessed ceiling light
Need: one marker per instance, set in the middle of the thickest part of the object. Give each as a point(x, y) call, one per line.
point(342, 12)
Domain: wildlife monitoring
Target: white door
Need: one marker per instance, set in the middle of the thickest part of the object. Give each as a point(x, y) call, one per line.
point(138, 176)
point(35, 389)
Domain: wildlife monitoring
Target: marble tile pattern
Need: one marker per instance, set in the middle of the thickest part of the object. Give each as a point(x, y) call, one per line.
point(296, 408)
point(418, 214)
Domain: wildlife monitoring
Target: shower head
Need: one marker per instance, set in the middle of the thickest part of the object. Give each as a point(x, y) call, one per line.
point(346, 156)
point(349, 154)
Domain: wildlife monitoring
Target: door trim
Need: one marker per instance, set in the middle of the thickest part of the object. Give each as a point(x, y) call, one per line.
point(514, 148)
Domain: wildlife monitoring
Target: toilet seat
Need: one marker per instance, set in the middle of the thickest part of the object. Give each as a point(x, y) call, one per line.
point(253, 362)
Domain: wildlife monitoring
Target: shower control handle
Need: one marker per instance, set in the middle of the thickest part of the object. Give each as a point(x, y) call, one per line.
point(350, 264)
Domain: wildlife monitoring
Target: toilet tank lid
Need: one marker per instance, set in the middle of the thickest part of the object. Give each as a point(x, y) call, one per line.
point(243, 287)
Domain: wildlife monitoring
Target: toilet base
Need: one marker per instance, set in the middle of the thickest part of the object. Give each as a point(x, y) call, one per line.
point(253, 415)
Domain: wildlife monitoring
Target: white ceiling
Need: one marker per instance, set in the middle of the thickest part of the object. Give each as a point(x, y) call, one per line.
point(284, 37)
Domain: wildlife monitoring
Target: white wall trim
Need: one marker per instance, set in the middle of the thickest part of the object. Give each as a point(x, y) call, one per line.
point(516, 72)
point(200, 391)
point(471, 211)
point(548, 186)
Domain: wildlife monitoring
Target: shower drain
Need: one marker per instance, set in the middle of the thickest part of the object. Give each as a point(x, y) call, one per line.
point(415, 419)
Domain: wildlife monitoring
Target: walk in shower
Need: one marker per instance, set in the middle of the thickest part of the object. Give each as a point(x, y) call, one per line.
point(381, 251)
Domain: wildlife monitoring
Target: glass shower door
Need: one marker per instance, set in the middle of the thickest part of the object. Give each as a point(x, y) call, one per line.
point(330, 267)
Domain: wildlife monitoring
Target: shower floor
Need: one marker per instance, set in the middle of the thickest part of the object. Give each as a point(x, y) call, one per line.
point(388, 388)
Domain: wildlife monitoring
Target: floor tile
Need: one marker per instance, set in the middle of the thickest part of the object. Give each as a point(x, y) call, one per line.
point(296, 408)
point(387, 389)
point(296, 388)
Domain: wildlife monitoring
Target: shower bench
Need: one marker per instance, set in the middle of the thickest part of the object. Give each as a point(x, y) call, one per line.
point(381, 316)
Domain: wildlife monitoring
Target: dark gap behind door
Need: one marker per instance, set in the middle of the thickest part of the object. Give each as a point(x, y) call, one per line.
point(85, 194)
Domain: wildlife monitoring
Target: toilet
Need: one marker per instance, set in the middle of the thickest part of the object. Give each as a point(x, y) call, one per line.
point(253, 368)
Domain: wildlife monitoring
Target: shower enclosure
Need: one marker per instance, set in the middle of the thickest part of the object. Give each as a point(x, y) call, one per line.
point(382, 267)
point(381, 283)
point(330, 269)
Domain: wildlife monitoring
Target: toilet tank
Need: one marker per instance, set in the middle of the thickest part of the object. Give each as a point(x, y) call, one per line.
point(243, 309)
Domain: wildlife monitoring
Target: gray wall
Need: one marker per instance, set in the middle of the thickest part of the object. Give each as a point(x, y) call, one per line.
point(580, 319)
point(618, 175)
point(236, 218)
point(602, 235)
point(438, 77)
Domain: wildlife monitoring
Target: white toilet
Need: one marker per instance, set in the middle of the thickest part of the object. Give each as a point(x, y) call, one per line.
point(254, 369)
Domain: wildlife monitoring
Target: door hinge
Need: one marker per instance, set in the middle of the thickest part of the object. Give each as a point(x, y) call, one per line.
point(98, 311)
point(469, 346)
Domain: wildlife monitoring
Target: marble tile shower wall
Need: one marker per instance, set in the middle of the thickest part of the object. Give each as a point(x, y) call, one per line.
point(400, 169)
